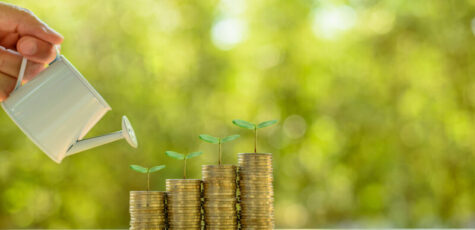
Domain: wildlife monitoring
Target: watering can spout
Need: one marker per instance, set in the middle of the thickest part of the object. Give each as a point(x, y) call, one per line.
point(126, 133)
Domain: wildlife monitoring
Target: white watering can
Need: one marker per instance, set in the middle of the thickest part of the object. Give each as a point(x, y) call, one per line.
point(58, 107)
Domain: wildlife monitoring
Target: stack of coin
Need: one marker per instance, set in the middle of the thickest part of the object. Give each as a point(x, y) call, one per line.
point(256, 191)
point(219, 196)
point(147, 210)
point(184, 203)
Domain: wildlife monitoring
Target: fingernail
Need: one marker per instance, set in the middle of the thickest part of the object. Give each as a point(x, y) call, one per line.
point(29, 48)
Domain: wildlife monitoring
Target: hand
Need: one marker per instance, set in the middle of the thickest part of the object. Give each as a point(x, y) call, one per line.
point(22, 34)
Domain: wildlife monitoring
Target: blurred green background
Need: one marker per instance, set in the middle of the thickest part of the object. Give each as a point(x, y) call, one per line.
point(376, 103)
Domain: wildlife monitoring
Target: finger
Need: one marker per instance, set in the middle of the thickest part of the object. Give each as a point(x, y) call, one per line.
point(36, 50)
point(32, 69)
point(10, 62)
point(10, 40)
point(7, 84)
point(41, 31)
point(24, 22)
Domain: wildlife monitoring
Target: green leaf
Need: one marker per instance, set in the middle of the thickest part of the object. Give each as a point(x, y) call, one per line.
point(230, 138)
point(139, 168)
point(193, 154)
point(209, 139)
point(175, 155)
point(266, 123)
point(156, 168)
point(244, 124)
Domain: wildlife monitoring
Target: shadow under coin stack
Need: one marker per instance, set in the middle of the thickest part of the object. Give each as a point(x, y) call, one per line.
point(219, 182)
point(147, 210)
point(184, 203)
point(256, 191)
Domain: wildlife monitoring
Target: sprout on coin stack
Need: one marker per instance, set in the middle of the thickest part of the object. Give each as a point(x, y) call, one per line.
point(249, 125)
point(218, 141)
point(255, 183)
point(183, 157)
point(147, 208)
point(183, 197)
point(219, 189)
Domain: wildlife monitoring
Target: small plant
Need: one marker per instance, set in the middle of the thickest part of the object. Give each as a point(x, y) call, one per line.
point(147, 171)
point(219, 141)
point(181, 156)
point(249, 125)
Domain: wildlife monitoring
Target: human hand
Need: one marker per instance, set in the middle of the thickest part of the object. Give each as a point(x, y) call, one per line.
point(22, 34)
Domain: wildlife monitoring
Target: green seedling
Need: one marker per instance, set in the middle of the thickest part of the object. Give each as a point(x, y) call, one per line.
point(249, 125)
point(184, 157)
point(219, 141)
point(147, 171)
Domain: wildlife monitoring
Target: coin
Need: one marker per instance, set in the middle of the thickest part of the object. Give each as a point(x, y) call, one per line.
point(147, 210)
point(184, 203)
point(256, 190)
point(219, 192)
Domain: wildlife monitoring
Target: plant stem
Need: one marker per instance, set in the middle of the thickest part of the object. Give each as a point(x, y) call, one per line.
point(148, 180)
point(219, 161)
point(255, 139)
point(184, 170)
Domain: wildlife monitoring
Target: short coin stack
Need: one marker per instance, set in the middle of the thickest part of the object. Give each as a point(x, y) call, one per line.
point(256, 191)
point(147, 210)
point(220, 196)
point(184, 203)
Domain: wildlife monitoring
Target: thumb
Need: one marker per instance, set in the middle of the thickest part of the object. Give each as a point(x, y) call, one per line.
point(36, 50)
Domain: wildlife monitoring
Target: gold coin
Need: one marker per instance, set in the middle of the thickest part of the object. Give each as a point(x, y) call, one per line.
point(218, 172)
point(219, 166)
point(183, 190)
point(183, 181)
point(254, 176)
point(257, 221)
point(147, 220)
point(220, 193)
point(220, 180)
point(255, 154)
point(220, 205)
point(250, 204)
point(243, 164)
point(220, 223)
point(246, 174)
point(251, 186)
point(220, 186)
point(219, 212)
point(146, 194)
point(190, 195)
point(147, 227)
point(158, 193)
point(183, 219)
point(256, 214)
point(146, 204)
point(185, 227)
point(229, 214)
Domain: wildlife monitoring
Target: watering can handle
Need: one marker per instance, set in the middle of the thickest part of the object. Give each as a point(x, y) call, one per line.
point(21, 73)
point(23, 68)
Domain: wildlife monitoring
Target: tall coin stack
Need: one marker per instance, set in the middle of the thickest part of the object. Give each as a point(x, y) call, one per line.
point(184, 203)
point(219, 196)
point(256, 191)
point(147, 210)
